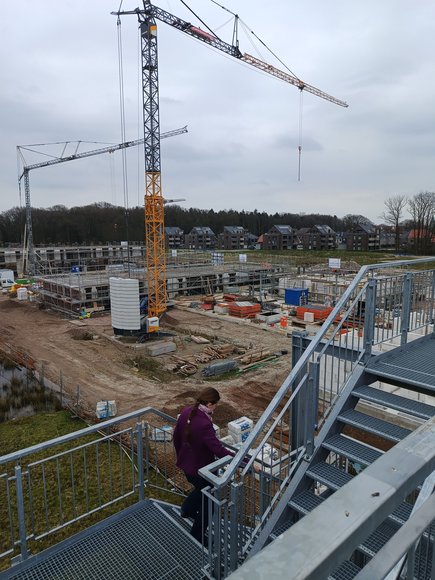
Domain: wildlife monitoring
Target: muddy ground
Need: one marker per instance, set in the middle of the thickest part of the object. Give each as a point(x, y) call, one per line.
point(87, 355)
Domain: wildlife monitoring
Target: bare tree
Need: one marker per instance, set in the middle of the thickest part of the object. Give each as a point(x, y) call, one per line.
point(422, 210)
point(393, 215)
point(352, 221)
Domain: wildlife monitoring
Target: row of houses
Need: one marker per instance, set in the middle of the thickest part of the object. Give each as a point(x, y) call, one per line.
point(364, 237)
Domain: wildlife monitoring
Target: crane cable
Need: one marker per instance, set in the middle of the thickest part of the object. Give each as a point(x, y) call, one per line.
point(123, 137)
point(247, 28)
point(301, 108)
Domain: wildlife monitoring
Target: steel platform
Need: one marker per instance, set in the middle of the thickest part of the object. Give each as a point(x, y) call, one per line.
point(141, 542)
point(411, 366)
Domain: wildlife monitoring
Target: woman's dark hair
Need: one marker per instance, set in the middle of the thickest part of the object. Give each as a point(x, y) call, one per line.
point(207, 395)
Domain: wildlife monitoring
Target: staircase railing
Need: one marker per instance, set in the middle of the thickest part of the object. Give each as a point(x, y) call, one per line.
point(53, 489)
point(385, 305)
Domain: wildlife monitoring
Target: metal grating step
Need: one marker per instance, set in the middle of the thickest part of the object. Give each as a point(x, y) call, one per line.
point(401, 513)
point(281, 529)
point(351, 449)
point(392, 401)
point(378, 539)
point(374, 425)
point(141, 542)
point(305, 502)
point(346, 571)
point(329, 475)
point(412, 365)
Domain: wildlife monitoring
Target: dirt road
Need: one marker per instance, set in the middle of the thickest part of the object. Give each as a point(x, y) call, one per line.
point(102, 367)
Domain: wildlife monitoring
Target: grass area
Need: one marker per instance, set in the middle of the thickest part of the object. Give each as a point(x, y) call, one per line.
point(311, 257)
point(21, 433)
point(64, 482)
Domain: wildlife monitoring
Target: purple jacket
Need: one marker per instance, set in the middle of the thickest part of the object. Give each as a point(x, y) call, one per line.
point(203, 446)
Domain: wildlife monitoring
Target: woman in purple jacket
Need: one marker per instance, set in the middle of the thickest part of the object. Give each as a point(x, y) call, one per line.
point(196, 445)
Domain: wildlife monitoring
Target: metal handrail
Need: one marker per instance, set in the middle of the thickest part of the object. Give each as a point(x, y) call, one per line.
point(17, 455)
point(234, 464)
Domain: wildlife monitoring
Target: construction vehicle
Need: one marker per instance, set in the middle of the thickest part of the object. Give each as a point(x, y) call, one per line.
point(154, 211)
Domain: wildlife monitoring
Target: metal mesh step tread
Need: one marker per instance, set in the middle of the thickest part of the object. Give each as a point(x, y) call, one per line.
point(281, 529)
point(329, 475)
point(144, 543)
point(413, 364)
point(305, 502)
point(374, 425)
point(351, 449)
point(346, 571)
point(401, 513)
point(392, 401)
point(378, 539)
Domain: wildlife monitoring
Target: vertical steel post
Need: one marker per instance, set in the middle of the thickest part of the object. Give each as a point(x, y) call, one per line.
point(299, 344)
point(140, 469)
point(369, 318)
point(234, 525)
point(311, 413)
point(406, 308)
point(21, 512)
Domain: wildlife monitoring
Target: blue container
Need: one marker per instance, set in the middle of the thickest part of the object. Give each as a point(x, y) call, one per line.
point(296, 296)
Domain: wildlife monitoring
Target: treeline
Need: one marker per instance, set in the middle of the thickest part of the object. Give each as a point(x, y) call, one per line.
point(102, 222)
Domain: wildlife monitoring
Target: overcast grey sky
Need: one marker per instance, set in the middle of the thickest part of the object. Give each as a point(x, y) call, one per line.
point(59, 71)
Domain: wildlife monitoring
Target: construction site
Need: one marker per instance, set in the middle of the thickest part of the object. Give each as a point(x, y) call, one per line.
point(325, 371)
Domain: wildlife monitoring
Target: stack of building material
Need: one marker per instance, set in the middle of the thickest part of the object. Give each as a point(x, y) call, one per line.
point(243, 309)
point(239, 429)
point(221, 308)
point(321, 313)
point(161, 347)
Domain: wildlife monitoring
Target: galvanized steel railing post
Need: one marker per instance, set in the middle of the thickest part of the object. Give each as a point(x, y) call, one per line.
point(369, 318)
point(311, 413)
point(233, 548)
point(406, 308)
point(21, 512)
point(298, 407)
point(140, 467)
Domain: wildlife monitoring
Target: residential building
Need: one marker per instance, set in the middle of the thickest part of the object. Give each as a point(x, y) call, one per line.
point(364, 237)
point(279, 237)
point(174, 238)
point(201, 238)
point(233, 238)
point(318, 237)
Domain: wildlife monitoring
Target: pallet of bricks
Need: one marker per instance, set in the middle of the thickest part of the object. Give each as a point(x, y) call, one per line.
point(243, 309)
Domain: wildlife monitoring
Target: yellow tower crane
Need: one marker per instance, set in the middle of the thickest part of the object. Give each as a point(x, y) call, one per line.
point(154, 203)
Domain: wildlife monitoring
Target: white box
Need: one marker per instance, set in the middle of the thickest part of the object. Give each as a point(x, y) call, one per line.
point(241, 424)
point(240, 429)
point(308, 316)
point(105, 409)
point(163, 433)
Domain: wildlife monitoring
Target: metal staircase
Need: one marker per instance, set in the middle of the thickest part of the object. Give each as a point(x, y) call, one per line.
point(365, 383)
point(347, 455)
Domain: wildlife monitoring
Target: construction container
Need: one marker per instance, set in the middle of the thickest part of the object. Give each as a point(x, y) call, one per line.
point(296, 296)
